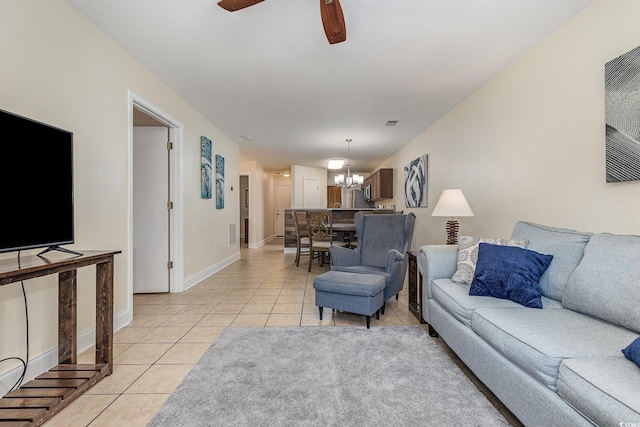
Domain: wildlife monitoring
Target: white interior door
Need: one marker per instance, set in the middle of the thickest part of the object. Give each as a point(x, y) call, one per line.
point(311, 193)
point(283, 201)
point(150, 212)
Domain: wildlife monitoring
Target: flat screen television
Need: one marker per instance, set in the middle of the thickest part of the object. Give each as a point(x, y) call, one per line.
point(36, 182)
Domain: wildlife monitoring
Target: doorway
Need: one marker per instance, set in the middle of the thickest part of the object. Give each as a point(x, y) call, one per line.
point(151, 198)
point(162, 142)
point(283, 201)
point(244, 208)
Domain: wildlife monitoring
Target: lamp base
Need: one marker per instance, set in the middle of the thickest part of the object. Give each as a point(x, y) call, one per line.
point(452, 231)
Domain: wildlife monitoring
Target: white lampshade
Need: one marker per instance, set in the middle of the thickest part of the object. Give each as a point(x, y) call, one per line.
point(452, 203)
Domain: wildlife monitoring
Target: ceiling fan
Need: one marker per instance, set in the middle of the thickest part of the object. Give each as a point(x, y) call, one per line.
point(330, 12)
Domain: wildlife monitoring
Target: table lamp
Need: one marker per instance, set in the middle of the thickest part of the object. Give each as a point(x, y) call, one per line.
point(452, 203)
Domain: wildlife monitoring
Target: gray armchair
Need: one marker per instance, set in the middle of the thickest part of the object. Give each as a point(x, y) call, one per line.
point(383, 242)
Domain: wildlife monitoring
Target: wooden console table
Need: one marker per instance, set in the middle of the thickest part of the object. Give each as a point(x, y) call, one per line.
point(40, 399)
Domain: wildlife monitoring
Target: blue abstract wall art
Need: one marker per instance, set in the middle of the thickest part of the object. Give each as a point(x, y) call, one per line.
point(205, 168)
point(219, 182)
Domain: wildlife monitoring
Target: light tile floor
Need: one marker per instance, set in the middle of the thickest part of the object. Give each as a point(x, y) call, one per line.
point(170, 332)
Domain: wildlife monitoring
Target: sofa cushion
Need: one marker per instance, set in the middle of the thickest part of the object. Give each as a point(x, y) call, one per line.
point(605, 390)
point(632, 351)
point(538, 340)
point(468, 255)
point(606, 284)
point(340, 282)
point(566, 246)
point(454, 297)
point(510, 273)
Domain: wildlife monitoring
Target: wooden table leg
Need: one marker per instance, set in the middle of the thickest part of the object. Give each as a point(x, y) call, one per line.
point(67, 317)
point(104, 313)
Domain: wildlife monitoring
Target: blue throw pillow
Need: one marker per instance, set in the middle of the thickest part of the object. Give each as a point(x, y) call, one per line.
point(632, 352)
point(509, 272)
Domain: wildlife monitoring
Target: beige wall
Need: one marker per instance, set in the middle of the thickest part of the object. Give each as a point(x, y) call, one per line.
point(58, 68)
point(529, 145)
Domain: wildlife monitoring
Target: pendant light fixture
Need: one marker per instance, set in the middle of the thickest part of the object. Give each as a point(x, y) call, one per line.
point(349, 182)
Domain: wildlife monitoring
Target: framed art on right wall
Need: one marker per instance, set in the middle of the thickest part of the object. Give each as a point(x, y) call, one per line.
point(622, 117)
point(415, 183)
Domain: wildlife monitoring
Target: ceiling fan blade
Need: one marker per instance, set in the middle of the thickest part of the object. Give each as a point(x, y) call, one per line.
point(233, 5)
point(333, 21)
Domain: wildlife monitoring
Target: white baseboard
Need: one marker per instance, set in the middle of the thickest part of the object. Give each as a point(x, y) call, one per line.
point(262, 242)
point(203, 274)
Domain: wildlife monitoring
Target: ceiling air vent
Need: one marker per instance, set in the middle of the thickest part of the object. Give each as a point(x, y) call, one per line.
point(391, 123)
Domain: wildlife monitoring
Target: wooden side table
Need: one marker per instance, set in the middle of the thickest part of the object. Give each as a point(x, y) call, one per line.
point(41, 398)
point(415, 287)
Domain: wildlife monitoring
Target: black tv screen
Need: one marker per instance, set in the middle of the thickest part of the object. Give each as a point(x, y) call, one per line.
point(36, 179)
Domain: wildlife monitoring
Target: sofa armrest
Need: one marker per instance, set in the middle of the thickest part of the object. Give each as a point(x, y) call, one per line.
point(436, 262)
point(397, 269)
point(393, 257)
point(395, 265)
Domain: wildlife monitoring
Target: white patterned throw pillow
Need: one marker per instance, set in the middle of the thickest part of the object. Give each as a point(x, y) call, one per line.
point(468, 255)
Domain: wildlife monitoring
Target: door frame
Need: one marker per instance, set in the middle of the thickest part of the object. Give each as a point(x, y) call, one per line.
point(284, 220)
point(176, 221)
point(242, 202)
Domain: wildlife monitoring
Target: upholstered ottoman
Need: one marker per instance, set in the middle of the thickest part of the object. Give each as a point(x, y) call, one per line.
point(352, 292)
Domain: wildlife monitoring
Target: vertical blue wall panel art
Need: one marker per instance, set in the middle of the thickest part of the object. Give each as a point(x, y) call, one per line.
point(219, 182)
point(205, 168)
point(415, 183)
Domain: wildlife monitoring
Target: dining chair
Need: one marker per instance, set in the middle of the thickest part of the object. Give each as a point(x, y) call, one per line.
point(302, 238)
point(320, 235)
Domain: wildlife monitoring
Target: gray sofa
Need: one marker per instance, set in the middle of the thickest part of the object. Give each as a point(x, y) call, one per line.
point(561, 365)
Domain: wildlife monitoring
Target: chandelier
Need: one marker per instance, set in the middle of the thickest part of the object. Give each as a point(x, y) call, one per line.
point(349, 182)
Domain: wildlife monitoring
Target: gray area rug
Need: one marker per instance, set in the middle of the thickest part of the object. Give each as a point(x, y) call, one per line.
point(324, 376)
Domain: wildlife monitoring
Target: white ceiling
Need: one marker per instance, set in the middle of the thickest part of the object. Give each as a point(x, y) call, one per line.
point(267, 72)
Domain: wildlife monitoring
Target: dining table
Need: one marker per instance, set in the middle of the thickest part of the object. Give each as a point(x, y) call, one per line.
point(347, 230)
point(344, 227)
